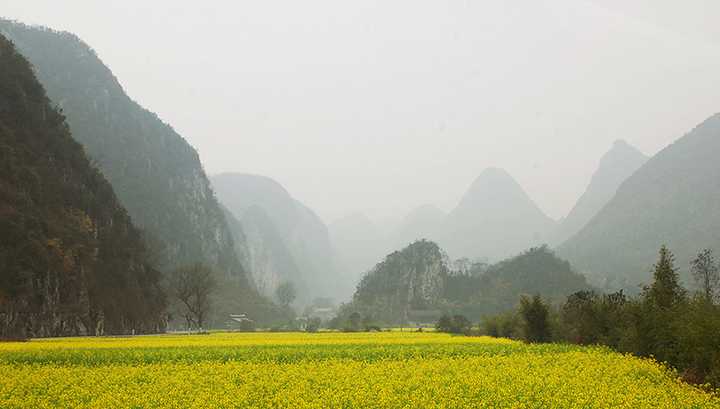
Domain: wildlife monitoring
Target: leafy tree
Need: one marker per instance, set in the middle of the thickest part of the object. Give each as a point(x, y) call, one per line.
point(580, 312)
point(354, 321)
point(706, 274)
point(461, 324)
point(313, 324)
point(285, 293)
point(192, 286)
point(696, 327)
point(444, 324)
point(534, 313)
point(506, 325)
point(457, 324)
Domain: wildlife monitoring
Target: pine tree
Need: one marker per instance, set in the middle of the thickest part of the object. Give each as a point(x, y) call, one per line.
point(665, 291)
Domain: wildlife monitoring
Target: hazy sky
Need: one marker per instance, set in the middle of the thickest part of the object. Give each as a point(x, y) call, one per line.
point(381, 105)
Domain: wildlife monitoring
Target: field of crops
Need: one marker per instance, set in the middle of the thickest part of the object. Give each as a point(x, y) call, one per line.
point(330, 370)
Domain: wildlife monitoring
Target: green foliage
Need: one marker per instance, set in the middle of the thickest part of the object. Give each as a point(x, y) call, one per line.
point(456, 324)
point(665, 291)
point(661, 323)
point(505, 325)
point(534, 313)
point(354, 322)
point(417, 283)
point(590, 318)
point(313, 324)
point(537, 270)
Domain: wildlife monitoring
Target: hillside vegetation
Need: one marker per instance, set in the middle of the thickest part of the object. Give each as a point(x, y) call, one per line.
point(71, 261)
point(155, 173)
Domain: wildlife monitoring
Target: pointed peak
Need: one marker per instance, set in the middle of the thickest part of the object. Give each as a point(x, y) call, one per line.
point(622, 153)
point(494, 172)
point(492, 178)
point(621, 143)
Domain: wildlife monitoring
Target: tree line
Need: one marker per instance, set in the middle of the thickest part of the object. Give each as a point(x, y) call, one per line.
point(665, 321)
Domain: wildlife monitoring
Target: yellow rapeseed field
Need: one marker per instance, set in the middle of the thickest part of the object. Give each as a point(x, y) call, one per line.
point(331, 370)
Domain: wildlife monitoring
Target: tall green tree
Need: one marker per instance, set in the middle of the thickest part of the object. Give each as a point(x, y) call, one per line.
point(665, 291)
point(535, 314)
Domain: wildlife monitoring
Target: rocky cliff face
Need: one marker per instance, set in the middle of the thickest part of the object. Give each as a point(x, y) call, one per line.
point(262, 250)
point(156, 174)
point(71, 262)
point(407, 280)
point(276, 224)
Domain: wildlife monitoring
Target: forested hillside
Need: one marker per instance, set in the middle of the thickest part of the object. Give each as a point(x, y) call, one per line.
point(155, 173)
point(419, 283)
point(403, 285)
point(498, 287)
point(71, 262)
point(672, 200)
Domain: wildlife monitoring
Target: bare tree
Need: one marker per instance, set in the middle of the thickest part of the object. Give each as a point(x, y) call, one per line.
point(285, 293)
point(192, 286)
point(706, 274)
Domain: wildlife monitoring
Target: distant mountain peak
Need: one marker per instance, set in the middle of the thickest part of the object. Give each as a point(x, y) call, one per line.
point(672, 199)
point(493, 189)
point(495, 219)
point(616, 165)
point(291, 228)
point(493, 175)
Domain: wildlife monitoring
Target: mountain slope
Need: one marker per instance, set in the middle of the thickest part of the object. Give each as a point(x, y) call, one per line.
point(495, 219)
point(302, 232)
point(615, 167)
point(535, 271)
point(156, 174)
point(70, 260)
point(673, 199)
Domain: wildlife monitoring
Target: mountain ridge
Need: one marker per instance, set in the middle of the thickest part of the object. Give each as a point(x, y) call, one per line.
point(671, 200)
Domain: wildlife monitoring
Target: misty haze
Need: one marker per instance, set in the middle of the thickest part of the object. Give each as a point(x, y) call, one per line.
point(360, 204)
